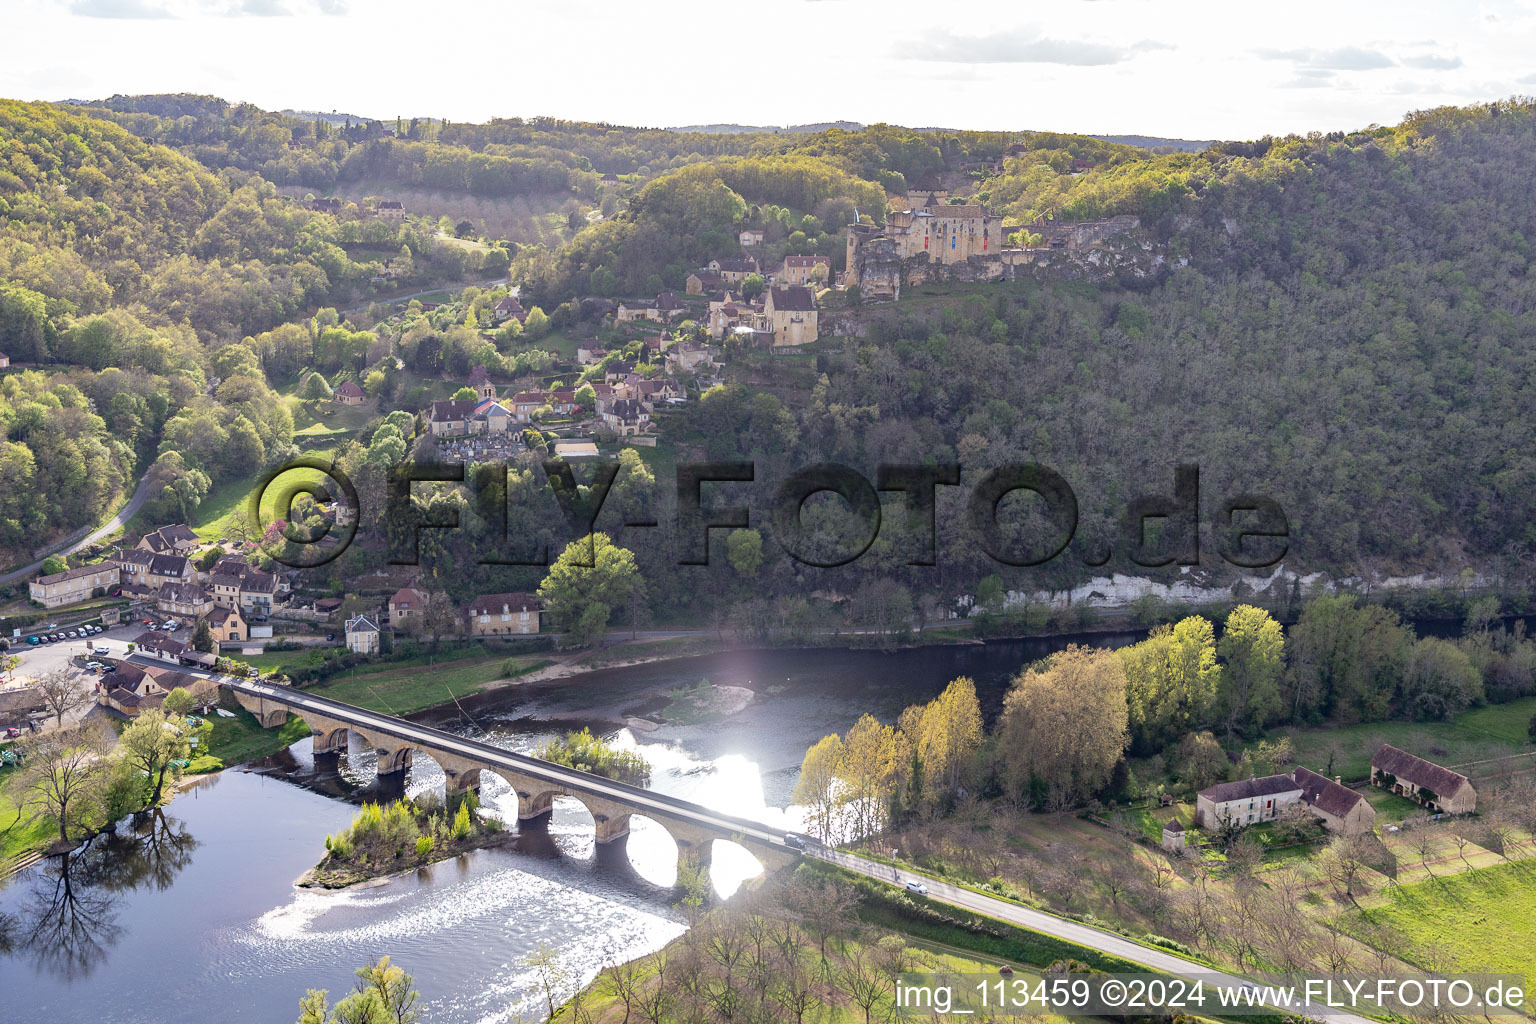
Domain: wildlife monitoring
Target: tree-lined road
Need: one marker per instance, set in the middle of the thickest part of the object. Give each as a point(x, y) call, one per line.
point(127, 512)
point(1059, 927)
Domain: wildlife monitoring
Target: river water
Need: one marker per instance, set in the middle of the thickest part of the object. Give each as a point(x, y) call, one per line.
point(190, 915)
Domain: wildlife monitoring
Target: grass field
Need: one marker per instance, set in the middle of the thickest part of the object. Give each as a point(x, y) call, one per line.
point(1497, 730)
point(240, 739)
point(402, 688)
point(1480, 920)
point(225, 507)
point(19, 837)
point(327, 419)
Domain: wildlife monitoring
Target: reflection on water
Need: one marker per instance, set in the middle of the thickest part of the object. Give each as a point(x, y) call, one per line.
point(152, 925)
point(64, 919)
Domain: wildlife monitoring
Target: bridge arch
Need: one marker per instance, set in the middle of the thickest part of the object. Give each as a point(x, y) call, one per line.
point(732, 865)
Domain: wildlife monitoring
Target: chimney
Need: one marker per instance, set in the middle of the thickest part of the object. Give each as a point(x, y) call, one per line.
point(1339, 779)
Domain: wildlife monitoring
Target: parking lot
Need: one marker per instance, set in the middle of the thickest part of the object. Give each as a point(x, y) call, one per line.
point(45, 658)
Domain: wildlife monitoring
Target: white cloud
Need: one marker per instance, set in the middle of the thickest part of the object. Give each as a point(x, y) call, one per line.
point(1433, 62)
point(1017, 46)
point(132, 9)
point(1348, 58)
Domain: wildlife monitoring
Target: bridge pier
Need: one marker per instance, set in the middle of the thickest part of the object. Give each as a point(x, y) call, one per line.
point(459, 781)
point(612, 829)
point(394, 760)
point(534, 809)
point(333, 742)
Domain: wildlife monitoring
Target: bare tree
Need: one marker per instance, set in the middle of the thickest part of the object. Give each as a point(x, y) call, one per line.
point(62, 692)
point(624, 977)
point(1462, 840)
point(66, 771)
point(860, 977)
point(824, 906)
point(545, 961)
point(1423, 839)
point(655, 1001)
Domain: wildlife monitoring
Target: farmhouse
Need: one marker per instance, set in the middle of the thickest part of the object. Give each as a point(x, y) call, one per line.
point(158, 645)
point(169, 540)
point(802, 270)
point(407, 603)
point(502, 614)
point(1436, 787)
point(791, 315)
point(450, 417)
point(1246, 802)
point(1340, 808)
point(226, 625)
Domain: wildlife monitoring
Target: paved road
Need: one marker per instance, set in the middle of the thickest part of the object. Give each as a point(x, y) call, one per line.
point(1059, 927)
point(127, 512)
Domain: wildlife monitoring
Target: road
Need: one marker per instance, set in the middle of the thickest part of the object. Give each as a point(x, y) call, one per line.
point(127, 512)
point(1059, 927)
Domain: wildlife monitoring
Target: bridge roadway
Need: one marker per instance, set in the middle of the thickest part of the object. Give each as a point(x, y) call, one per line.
point(692, 826)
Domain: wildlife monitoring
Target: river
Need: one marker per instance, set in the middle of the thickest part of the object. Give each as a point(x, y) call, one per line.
point(190, 914)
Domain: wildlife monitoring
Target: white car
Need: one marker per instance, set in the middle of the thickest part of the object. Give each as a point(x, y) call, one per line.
point(917, 887)
point(95, 666)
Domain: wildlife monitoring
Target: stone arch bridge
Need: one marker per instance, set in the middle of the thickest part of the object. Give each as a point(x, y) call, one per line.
point(536, 782)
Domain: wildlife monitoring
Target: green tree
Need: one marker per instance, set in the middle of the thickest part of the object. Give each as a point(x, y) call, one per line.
point(315, 388)
point(54, 564)
point(465, 395)
point(1252, 650)
point(202, 636)
point(177, 703)
point(1064, 726)
point(1171, 679)
point(536, 325)
point(591, 578)
point(150, 743)
point(752, 286)
point(744, 549)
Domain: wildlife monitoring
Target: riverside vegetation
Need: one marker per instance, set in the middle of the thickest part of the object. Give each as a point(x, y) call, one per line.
point(406, 833)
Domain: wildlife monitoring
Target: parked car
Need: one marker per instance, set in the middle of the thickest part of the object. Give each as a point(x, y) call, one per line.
point(330, 637)
point(34, 641)
point(12, 733)
point(70, 635)
point(171, 627)
point(917, 887)
point(253, 672)
point(96, 629)
point(101, 652)
point(94, 666)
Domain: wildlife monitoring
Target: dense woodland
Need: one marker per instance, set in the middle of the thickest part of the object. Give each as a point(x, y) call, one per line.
point(1348, 337)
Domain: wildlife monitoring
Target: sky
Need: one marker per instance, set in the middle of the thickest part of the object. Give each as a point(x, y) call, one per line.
point(1194, 69)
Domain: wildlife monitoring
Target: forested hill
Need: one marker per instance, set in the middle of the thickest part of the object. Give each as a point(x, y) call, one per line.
point(1354, 335)
point(129, 275)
